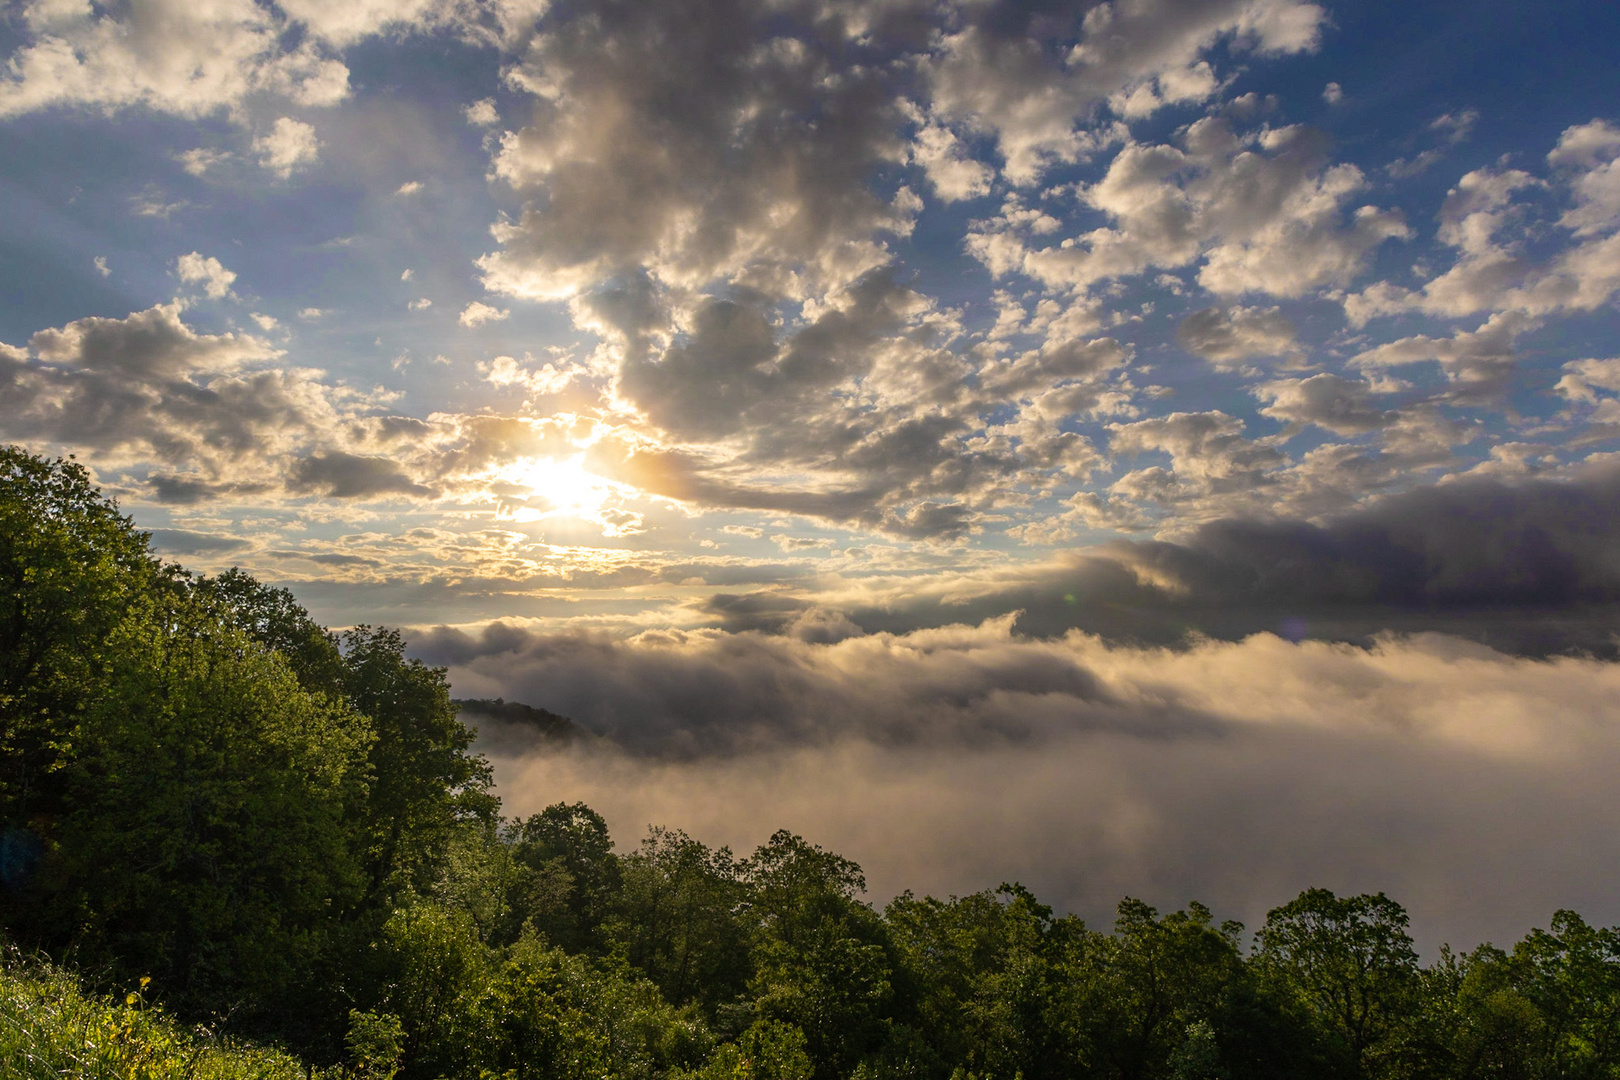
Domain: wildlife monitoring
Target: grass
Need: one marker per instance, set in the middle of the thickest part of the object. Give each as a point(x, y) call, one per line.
point(50, 1029)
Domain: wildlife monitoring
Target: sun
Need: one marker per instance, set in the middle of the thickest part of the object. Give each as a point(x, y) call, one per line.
point(563, 488)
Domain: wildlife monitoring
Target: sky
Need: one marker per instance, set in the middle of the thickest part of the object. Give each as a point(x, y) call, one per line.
point(1165, 447)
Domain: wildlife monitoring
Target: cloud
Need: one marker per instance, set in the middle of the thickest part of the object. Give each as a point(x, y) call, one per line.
point(410, 187)
point(341, 475)
point(1342, 406)
point(186, 542)
point(1237, 773)
point(1454, 127)
point(953, 174)
point(477, 314)
point(1477, 363)
point(150, 343)
point(290, 145)
point(148, 390)
point(1332, 93)
point(1505, 260)
point(168, 55)
point(1262, 213)
point(1030, 81)
point(671, 137)
point(482, 113)
point(1228, 336)
point(209, 272)
point(1521, 563)
point(199, 161)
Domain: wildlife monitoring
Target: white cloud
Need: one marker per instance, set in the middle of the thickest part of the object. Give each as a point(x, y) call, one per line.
point(209, 272)
point(477, 314)
point(735, 187)
point(1584, 378)
point(173, 56)
point(482, 113)
point(1332, 93)
point(310, 313)
point(291, 144)
point(101, 265)
point(1492, 227)
point(1263, 213)
point(199, 161)
point(420, 304)
point(410, 187)
point(348, 22)
point(1477, 363)
point(953, 174)
point(265, 322)
point(1024, 84)
point(407, 274)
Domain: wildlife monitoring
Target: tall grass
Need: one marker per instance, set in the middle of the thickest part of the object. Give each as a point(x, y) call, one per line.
point(50, 1029)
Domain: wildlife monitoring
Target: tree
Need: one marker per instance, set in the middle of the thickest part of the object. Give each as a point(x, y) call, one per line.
point(424, 779)
point(205, 835)
point(821, 957)
point(1000, 985)
point(568, 855)
point(1167, 986)
point(70, 568)
point(1349, 965)
point(275, 619)
point(1570, 973)
point(678, 918)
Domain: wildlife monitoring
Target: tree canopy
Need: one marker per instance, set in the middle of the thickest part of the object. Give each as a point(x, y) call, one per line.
point(289, 833)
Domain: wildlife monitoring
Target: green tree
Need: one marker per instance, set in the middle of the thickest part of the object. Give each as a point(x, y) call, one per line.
point(678, 918)
point(425, 780)
point(1570, 973)
point(206, 836)
point(567, 855)
point(1001, 987)
point(70, 568)
point(1349, 966)
point(1166, 986)
point(821, 956)
point(275, 619)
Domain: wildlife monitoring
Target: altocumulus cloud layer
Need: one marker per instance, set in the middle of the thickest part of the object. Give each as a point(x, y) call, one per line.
point(897, 416)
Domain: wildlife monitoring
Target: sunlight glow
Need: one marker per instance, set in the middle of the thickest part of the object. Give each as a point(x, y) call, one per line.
point(564, 488)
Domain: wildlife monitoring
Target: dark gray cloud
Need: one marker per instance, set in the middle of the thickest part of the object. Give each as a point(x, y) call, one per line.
point(1528, 566)
point(1226, 336)
point(352, 476)
point(186, 542)
point(673, 694)
point(1342, 406)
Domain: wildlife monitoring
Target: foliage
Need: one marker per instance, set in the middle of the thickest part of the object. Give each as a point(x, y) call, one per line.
point(278, 832)
point(50, 1029)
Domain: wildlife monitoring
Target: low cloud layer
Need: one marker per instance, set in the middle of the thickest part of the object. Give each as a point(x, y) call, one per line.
point(1472, 779)
point(1474, 786)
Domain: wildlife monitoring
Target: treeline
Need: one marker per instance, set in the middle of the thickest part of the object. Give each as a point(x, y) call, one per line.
point(287, 831)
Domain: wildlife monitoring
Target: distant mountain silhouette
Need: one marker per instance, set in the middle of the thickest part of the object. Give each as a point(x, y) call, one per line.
point(506, 727)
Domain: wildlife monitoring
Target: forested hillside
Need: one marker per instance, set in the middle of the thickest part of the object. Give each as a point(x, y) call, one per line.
point(287, 831)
